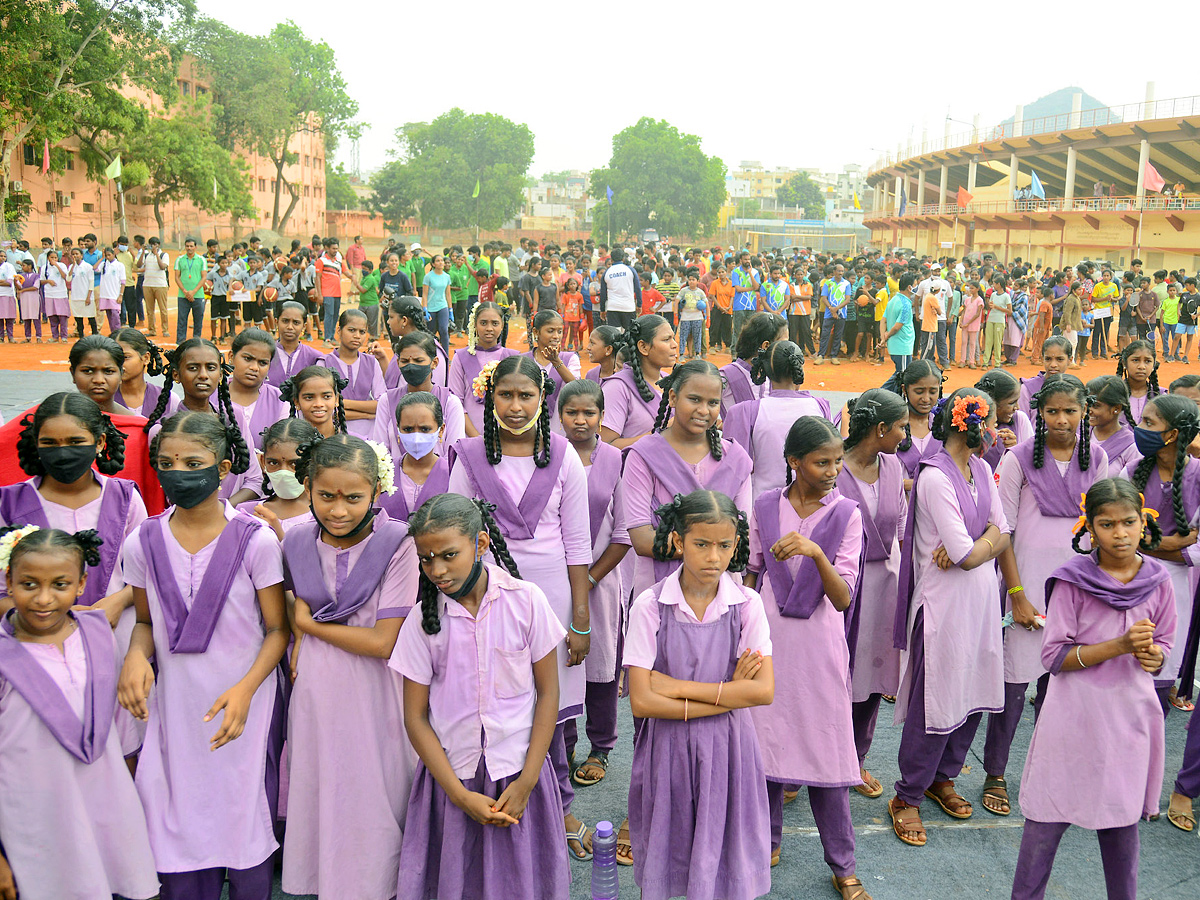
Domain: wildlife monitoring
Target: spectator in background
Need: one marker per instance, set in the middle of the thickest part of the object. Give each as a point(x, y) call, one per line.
point(354, 256)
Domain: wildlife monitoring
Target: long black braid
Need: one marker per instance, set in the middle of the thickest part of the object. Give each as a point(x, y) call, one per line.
point(700, 507)
point(1115, 490)
point(675, 381)
point(468, 517)
point(1180, 413)
point(406, 308)
point(521, 365)
point(808, 433)
point(87, 413)
point(1152, 388)
point(643, 329)
point(290, 390)
point(872, 408)
point(778, 361)
point(142, 345)
point(224, 440)
point(286, 431)
point(1070, 386)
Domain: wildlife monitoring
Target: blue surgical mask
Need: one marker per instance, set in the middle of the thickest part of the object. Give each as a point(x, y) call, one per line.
point(1148, 442)
point(418, 444)
point(122, 247)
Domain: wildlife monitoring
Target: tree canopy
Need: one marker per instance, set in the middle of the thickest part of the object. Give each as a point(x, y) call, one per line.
point(800, 190)
point(338, 192)
point(271, 89)
point(59, 60)
point(439, 163)
point(660, 178)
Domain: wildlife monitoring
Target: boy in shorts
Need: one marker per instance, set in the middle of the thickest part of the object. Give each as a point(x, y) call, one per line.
point(1189, 306)
point(219, 277)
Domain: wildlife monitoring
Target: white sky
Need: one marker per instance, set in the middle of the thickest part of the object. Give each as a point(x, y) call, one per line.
point(797, 84)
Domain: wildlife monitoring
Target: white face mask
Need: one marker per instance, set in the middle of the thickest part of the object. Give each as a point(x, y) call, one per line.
point(285, 484)
point(418, 444)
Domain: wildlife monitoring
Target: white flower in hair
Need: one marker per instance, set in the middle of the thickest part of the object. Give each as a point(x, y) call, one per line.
point(387, 468)
point(10, 540)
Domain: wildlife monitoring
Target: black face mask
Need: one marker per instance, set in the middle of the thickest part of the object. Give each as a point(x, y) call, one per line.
point(188, 488)
point(476, 571)
point(416, 375)
point(67, 465)
point(353, 532)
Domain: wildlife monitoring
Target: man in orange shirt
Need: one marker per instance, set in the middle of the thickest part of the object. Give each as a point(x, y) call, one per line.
point(721, 292)
point(330, 269)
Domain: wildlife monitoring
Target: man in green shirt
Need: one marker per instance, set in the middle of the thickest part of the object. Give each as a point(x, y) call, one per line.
point(368, 296)
point(189, 275)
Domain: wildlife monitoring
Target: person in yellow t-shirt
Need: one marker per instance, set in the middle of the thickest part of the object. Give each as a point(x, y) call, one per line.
point(881, 301)
point(1104, 294)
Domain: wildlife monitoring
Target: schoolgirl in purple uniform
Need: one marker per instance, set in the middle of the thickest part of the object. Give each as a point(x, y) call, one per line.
point(208, 589)
point(760, 425)
point(1137, 366)
point(631, 396)
point(364, 378)
point(71, 824)
point(285, 502)
point(699, 656)
point(873, 477)
point(353, 572)
point(315, 394)
point(1108, 416)
point(1056, 357)
point(560, 366)
point(806, 554)
point(291, 353)
point(480, 666)
point(947, 615)
point(921, 385)
point(1110, 625)
point(417, 355)
point(199, 368)
point(1041, 482)
point(256, 402)
point(421, 472)
point(142, 358)
point(540, 488)
point(485, 325)
point(604, 346)
point(581, 413)
point(759, 331)
point(407, 316)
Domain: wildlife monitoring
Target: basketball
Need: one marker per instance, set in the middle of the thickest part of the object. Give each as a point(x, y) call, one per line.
point(236, 286)
point(207, 285)
point(270, 294)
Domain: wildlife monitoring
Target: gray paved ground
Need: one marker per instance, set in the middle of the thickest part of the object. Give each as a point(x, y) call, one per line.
point(968, 859)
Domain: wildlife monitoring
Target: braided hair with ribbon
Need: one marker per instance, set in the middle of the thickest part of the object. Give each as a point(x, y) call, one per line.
point(1115, 490)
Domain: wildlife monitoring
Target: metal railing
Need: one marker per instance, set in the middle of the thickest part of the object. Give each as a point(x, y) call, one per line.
point(1085, 118)
point(1058, 204)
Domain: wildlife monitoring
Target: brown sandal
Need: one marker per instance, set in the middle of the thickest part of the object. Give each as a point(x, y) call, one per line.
point(776, 854)
point(1181, 818)
point(995, 788)
point(790, 797)
point(624, 858)
point(848, 884)
point(906, 820)
point(870, 787)
point(952, 803)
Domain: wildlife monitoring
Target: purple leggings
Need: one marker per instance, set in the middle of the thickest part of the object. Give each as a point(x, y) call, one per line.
point(1039, 843)
point(1187, 782)
point(865, 714)
point(1002, 726)
point(58, 326)
point(114, 319)
point(36, 323)
point(6, 328)
point(831, 810)
point(927, 758)
point(562, 770)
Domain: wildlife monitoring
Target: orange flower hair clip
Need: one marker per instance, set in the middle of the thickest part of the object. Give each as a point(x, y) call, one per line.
point(968, 411)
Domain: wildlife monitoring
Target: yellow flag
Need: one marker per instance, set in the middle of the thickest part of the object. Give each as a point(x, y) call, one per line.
point(857, 205)
point(476, 192)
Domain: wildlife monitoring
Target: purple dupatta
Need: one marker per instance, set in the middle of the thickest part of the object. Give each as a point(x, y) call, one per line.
point(519, 521)
point(880, 529)
point(1056, 494)
point(438, 482)
point(303, 564)
point(190, 630)
point(604, 474)
point(975, 512)
point(84, 738)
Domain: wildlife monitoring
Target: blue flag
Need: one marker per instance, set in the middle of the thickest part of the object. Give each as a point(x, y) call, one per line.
point(903, 200)
point(608, 190)
point(1035, 186)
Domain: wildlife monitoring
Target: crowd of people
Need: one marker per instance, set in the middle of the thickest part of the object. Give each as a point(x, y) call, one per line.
point(339, 610)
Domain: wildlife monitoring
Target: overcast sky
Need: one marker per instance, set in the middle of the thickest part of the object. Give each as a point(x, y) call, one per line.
point(793, 84)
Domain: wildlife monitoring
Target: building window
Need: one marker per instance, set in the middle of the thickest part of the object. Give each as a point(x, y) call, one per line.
point(306, 161)
point(274, 185)
point(71, 162)
point(201, 91)
point(30, 155)
point(185, 88)
point(262, 184)
point(89, 207)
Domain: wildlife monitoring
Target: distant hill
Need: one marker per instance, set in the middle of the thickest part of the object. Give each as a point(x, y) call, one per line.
point(1059, 104)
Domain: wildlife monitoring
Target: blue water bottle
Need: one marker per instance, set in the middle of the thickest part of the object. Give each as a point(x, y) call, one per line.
point(605, 885)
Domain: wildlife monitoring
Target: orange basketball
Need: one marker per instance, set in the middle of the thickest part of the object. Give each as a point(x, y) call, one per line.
point(236, 286)
point(269, 294)
point(207, 285)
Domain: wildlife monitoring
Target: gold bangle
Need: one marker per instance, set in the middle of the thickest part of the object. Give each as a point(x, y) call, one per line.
point(685, 709)
point(718, 700)
point(989, 543)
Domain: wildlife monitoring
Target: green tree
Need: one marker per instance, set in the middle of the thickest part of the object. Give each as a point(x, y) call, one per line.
point(183, 160)
point(439, 163)
point(60, 58)
point(272, 89)
point(338, 192)
point(660, 178)
point(800, 190)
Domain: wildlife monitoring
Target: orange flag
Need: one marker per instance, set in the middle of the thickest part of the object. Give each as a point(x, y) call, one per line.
point(1154, 181)
point(964, 198)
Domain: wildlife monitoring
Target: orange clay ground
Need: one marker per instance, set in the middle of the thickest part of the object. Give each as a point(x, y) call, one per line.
point(853, 377)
